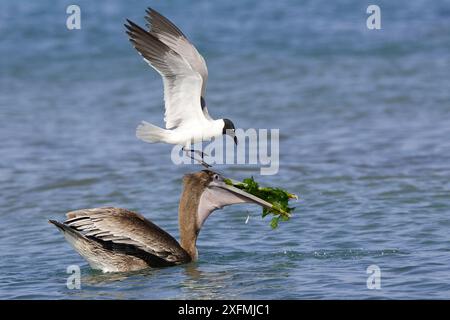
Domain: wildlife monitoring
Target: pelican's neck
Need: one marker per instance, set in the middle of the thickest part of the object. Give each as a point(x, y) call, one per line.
point(187, 218)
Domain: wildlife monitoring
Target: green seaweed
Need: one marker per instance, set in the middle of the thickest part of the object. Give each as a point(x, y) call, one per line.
point(278, 197)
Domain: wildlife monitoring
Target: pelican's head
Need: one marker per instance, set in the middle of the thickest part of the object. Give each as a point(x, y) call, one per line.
point(229, 129)
point(204, 192)
point(209, 191)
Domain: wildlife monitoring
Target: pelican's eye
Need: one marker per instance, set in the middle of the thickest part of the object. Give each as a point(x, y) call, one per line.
point(216, 177)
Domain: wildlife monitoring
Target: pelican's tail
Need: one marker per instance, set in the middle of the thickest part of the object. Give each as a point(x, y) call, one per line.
point(72, 233)
point(150, 133)
point(96, 253)
point(80, 243)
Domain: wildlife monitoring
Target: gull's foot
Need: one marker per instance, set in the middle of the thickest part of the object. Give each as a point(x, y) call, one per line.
point(202, 155)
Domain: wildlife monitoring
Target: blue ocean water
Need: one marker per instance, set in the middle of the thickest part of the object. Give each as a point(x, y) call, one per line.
point(364, 119)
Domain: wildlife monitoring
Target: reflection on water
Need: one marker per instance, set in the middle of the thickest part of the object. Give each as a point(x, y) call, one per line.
point(95, 277)
point(204, 284)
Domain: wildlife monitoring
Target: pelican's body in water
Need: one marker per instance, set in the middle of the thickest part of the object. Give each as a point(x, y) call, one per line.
point(114, 239)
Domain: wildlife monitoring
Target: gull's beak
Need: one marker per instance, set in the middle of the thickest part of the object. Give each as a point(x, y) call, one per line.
point(232, 133)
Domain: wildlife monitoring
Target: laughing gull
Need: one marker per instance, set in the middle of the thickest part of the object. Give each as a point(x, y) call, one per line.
point(166, 49)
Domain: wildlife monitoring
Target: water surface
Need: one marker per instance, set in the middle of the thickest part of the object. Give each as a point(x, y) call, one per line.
point(364, 118)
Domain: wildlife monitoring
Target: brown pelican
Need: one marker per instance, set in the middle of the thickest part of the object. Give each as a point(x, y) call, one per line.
point(114, 239)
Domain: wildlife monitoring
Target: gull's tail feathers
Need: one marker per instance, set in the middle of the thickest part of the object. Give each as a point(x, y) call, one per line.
point(150, 133)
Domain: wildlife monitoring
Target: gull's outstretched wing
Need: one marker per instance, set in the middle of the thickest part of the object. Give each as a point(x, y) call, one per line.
point(171, 36)
point(183, 84)
point(168, 33)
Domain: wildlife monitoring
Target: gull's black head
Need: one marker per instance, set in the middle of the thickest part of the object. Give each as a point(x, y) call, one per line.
point(229, 129)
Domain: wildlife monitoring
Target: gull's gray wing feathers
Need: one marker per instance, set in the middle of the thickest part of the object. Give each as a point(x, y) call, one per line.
point(182, 84)
point(169, 34)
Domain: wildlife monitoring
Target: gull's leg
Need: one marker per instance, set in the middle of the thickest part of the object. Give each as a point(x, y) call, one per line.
point(201, 153)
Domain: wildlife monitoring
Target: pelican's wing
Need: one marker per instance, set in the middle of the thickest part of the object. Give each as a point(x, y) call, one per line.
point(182, 84)
point(120, 228)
